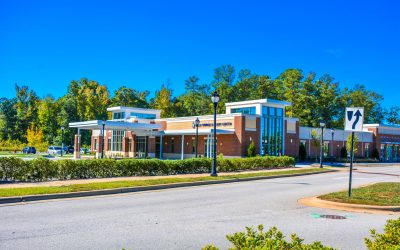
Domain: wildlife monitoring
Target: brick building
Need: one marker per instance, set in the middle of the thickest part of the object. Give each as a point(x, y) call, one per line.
point(136, 132)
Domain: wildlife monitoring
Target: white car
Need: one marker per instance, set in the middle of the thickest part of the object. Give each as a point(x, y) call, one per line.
point(54, 150)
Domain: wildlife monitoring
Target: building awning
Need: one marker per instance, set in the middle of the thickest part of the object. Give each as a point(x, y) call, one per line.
point(201, 132)
point(115, 125)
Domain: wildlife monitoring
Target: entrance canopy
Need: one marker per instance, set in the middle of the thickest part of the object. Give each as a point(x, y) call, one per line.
point(201, 132)
point(115, 125)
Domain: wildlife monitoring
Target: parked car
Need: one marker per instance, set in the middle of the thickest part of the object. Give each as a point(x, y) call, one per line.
point(54, 150)
point(29, 150)
point(70, 150)
point(85, 151)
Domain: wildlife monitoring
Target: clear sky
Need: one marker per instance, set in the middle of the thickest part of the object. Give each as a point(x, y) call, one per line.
point(141, 44)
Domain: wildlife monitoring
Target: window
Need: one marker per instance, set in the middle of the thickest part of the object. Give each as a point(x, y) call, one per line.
point(130, 145)
point(246, 111)
point(118, 115)
point(109, 144)
point(95, 144)
point(117, 137)
point(143, 115)
point(193, 145)
point(366, 150)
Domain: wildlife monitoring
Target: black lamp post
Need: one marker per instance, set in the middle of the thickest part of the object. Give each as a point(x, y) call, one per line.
point(62, 140)
point(102, 144)
point(322, 125)
point(196, 124)
point(215, 100)
point(333, 148)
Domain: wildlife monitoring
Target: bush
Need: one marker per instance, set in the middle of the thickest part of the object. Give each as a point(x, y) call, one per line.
point(390, 239)
point(375, 153)
point(272, 239)
point(251, 150)
point(302, 152)
point(41, 169)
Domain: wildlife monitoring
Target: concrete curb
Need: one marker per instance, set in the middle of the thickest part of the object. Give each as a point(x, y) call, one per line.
point(29, 198)
point(317, 202)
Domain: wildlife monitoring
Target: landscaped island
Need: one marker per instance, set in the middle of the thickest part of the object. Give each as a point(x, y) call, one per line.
point(379, 194)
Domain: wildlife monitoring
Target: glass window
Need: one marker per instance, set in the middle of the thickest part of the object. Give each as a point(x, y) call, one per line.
point(272, 131)
point(172, 145)
point(246, 111)
point(143, 115)
point(117, 137)
point(109, 144)
point(118, 115)
point(279, 112)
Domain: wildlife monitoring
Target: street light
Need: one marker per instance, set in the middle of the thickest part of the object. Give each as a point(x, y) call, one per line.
point(196, 124)
point(333, 134)
point(215, 100)
point(62, 140)
point(322, 125)
point(102, 144)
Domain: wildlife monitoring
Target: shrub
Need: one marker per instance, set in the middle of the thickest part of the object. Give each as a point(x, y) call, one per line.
point(390, 239)
point(375, 154)
point(40, 169)
point(251, 150)
point(302, 152)
point(272, 239)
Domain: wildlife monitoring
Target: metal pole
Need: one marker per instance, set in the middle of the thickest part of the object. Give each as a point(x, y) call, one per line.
point(214, 153)
point(102, 144)
point(332, 150)
point(321, 147)
point(62, 141)
point(197, 137)
point(351, 162)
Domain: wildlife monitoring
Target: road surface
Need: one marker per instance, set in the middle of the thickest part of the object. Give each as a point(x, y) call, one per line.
point(189, 218)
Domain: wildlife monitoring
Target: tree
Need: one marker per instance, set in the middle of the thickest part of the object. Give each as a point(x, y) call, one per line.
point(47, 115)
point(35, 139)
point(224, 76)
point(315, 141)
point(163, 101)
point(128, 97)
point(8, 118)
point(348, 144)
point(393, 115)
point(251, 150)
point(291, 81)
point(26, 107)
point(389, 239)
point(343, 152)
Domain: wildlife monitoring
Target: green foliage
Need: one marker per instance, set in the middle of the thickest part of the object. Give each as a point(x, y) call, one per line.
point(343, 152)
point(41, 169)
point(251, 150)
point(302, 152)
point(348, 144)
point(273, 239)
point(375, 153)
point(389, 240)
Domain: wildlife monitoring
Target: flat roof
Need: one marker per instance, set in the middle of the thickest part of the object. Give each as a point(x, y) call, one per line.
point(114, 125)
point(202, 117)
point(121, 108)
point(259, 101)
point(201, 132)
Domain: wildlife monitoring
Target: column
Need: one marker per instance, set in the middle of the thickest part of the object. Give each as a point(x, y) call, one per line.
point(77, 145)
point(161, 147)
point(125, 146)
point(182, 146)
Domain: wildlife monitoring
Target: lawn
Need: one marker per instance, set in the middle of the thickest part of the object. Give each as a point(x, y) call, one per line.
point(381, 194)
point(9, 192)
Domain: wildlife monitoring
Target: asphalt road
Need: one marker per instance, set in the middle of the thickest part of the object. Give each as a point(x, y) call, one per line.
point(189, 218)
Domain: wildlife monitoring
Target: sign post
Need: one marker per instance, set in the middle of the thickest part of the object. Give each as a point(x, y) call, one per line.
point(354, 123)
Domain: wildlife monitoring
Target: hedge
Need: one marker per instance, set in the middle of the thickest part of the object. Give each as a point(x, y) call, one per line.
point(42, 169)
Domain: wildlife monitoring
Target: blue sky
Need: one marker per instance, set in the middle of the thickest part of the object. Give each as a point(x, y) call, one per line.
point(141, 44)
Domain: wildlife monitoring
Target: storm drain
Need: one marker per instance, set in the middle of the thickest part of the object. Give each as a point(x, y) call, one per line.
point(332, 216)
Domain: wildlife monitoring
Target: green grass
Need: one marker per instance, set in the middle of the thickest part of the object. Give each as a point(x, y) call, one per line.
point(381, 194)
point(9, 192)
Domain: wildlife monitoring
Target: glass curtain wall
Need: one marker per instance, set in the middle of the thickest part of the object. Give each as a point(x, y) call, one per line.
point(272, 131)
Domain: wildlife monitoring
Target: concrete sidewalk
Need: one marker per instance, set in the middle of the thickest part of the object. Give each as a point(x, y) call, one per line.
point(131, 178)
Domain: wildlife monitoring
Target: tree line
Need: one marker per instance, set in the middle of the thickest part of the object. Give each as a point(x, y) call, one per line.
point(313, 99)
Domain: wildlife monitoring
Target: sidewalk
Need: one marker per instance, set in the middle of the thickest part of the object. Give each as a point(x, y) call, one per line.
point(131, 178)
